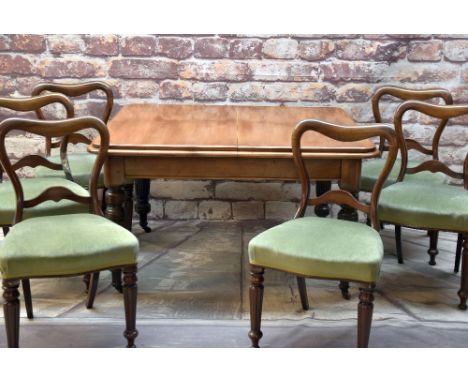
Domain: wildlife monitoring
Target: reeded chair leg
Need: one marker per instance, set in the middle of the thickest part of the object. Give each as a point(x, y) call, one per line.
point(256, 301)
point(399, 250)
point(463, 292)
point(130, 304)
point(11, 311)
point(432, 251)
point(93, 284)
point(365, 310)
point(458, 253)
point(301, 285)
point(27, 298)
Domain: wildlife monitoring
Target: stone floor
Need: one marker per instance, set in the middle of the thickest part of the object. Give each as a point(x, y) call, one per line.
point(193, 292)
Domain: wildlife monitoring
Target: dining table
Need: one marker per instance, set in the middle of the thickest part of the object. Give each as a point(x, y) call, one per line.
point(222, 142)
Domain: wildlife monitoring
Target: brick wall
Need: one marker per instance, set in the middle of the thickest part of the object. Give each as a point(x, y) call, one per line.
point(310, 70)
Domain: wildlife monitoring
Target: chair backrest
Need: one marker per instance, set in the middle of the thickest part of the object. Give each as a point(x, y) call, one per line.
point(75, 90)
point(34, 104)
point(405, 94)
point(52, 129)
point(344, 134)
point(442, 112)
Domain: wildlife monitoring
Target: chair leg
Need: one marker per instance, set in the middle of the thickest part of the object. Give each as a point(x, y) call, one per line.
point(256, 301)
point(463, 292)
point(92, 290)
point(344, 287)
point(399, 250)
point(130, 304)
point(27, 298)
point(5, 230)
point(365, 310)
point(117, 280)
point(458, 252)
point(301, 285)
point(432, 251)
point(11, 311)
point(87, 280)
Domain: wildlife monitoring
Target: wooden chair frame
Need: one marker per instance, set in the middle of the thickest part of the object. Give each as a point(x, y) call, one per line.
point(342, 197)
point(27, 105)
point(54, 129)
point(404, 94)
point(444, 113)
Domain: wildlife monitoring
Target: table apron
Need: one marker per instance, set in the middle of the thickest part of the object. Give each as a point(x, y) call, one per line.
point(119, 169)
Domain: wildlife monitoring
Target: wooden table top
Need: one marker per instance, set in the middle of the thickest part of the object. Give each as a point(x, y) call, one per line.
point(208, 130)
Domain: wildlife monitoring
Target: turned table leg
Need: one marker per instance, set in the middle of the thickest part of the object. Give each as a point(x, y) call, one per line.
point(322, 210)
point(115, 199)
point(142, 205)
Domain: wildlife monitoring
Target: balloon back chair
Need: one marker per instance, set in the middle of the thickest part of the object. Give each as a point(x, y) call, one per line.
point(420, 205)
point(372, 168)
point(61, 245)
point(313, 247)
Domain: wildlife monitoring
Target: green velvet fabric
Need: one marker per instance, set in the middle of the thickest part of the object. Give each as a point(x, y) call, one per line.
point(33, 187)
point(318, 247)
point(81, 166)
point(419, 205)
point(65, 245)
point(372, 168)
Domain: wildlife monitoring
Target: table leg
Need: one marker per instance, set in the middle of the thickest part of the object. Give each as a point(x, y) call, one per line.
point(115, 199)
point(128, 206)
point(142, 206)
point(322, 210)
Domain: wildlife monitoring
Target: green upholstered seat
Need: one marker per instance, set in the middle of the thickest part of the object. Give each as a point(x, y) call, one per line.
point(318, 247)
point(65, 245)
point(33, 187)
point(371, 170)
point(419, 205)
point(81, 166)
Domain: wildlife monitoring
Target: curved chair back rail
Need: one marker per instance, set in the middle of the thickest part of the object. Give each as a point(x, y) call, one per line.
point(53, 129)
point(405, 95)
point(75, 90)
point(344, 134)
point(442, 112)
point(34, 104)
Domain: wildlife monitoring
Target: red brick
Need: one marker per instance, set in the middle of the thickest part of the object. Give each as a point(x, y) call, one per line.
point(429, 73)
point(4, 42)
point(143, 69)
point(210, 91)
point(354, 93)
point(267, 70)
point(456, 50)
point(214, 71)
point(138, 46)
point(245, 48)
point(31, 43)
point(25, 85)
point(317, 92)
point(425, 51)
point(67, 68)
point(14, 64)
point(248, 91)
point(62, 44)
point(353, 71)
point(315, 50)
point(284, 48)
point(370, 50)
point(176, 90)
point(298, 92)
point(139, 89)
point(175, 47)
point(7, 86)
point(102, 45)
point(211, 47)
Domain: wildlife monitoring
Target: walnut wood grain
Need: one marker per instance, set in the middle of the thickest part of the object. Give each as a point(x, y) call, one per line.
point(208, 130)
